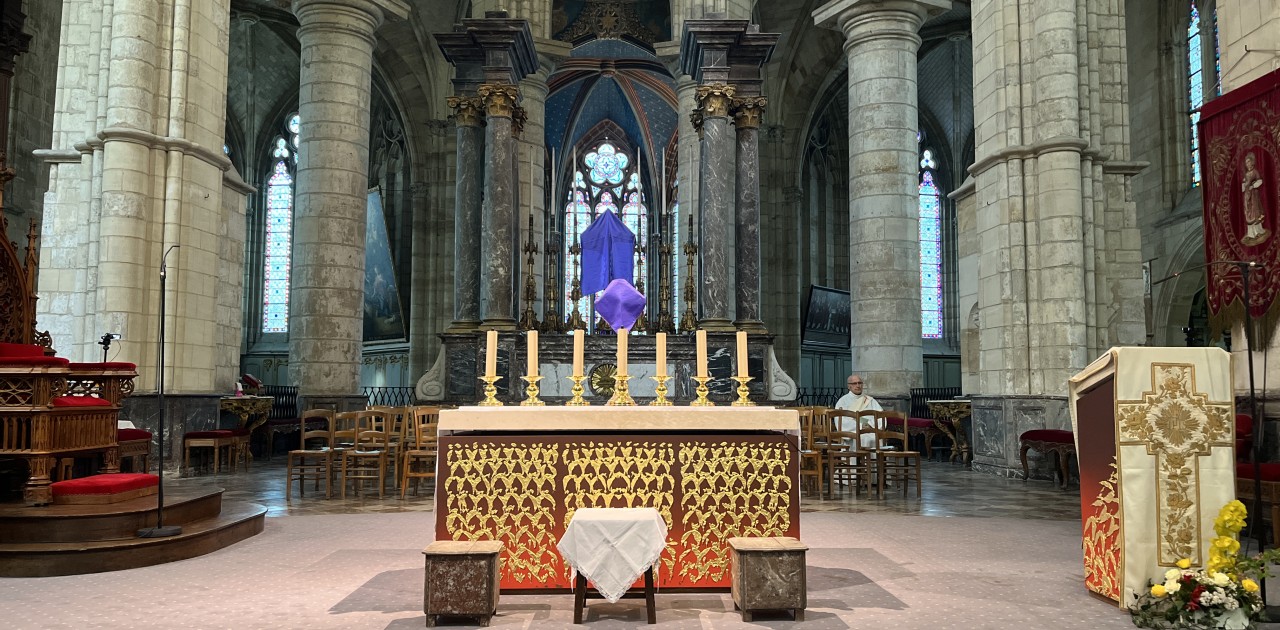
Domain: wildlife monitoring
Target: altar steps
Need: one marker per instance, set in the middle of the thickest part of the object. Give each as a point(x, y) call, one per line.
point(76, 539)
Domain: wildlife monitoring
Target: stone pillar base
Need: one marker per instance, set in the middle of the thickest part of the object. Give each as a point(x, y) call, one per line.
point(463, 327)
point(505, 324)
point(752, 326)
point(717, 325)
point(183, 413)
point(996, 423)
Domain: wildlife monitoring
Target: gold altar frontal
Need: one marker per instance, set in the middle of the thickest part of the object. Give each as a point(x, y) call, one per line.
point(517, 474)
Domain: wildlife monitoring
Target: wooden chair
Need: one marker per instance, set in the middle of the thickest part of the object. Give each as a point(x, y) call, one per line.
point(848, 462)
point(811, 457)
point(366, 460)
point(895, 462)
point(313, 463)
point(422, 449)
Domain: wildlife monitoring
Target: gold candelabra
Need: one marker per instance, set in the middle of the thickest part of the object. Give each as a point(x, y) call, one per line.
point(689, 321)
point(531, 392)
point(701, 391)
point(575, 294)
point(642, 322)
point(490, 398)
point(742, 400)
point(577, 400)
point(666, 322)
point(621, 394)
point(529, 319)
point(551, 322)
point(661, 400)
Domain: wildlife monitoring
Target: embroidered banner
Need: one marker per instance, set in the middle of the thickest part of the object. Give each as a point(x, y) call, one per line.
point(1240, 161)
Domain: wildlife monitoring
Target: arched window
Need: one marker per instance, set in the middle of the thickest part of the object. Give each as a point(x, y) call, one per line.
point(930, 249)
point(600, 181)
point(1196, 77)
point(279, 232)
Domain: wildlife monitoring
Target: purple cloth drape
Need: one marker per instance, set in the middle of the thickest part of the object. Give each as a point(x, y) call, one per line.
point(608, 249)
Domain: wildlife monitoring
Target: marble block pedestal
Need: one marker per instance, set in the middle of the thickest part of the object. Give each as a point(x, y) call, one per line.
point(768, 574)
point(461, 580)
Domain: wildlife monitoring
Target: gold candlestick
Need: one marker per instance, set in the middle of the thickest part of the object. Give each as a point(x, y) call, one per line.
point(577, 400)
point(742, 400)
point(490, 398)
point(531, 391)
point(661, 400)
point(702, 393)
point(621, 397)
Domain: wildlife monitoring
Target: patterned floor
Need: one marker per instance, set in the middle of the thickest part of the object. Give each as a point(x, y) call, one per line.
point(948, 490)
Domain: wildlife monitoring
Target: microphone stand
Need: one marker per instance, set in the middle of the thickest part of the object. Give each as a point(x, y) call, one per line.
point(161, 530)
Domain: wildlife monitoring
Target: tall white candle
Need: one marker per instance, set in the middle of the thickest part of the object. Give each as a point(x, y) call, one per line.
point(742, 353)
point(533, 353)
point(577, 351)
point(662, 353)
point(491, 354)
point(701, 339)
point(622, 352)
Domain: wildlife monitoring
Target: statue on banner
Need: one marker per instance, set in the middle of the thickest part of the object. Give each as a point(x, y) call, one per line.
point(1254, 211)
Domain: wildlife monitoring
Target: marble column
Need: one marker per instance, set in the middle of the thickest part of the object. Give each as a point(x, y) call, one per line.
point(327, 283)
point(497, 245)
point(881, 44)
point(469, 118)
point(716, 192)
point(746, 118)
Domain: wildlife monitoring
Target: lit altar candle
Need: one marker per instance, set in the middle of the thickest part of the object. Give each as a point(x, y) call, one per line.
point(577, 352)
point(533, 353)
point(742, 353)
point(491, 354)
point(662, 354)
point(622, 352)
point(701, 338)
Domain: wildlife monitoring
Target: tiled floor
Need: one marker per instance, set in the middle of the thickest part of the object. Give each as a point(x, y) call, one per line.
point(948, 490)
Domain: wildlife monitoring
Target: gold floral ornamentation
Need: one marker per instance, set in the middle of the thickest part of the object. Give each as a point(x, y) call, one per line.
point(1101, 541)
point(729, 489)
point(748, 111)
point(602, 379)
point(1177, 424)
point(467, 110)
point(714, 99)
point(499, 99)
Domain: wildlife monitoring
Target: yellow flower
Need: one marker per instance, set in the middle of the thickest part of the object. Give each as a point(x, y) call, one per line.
point(1184, 563)
point(1157, 590)
point(1249, 585)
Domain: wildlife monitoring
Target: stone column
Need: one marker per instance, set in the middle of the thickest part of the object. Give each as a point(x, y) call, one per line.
point(746, 118)
point(881, 43)
point(497, 218)
point(327, 284)
point(689, 156)
point(469, 118)
point(716, 179)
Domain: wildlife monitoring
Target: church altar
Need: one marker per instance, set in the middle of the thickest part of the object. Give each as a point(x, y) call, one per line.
point(517, 474)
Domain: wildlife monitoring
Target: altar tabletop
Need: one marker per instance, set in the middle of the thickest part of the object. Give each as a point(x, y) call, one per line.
point(626, 419)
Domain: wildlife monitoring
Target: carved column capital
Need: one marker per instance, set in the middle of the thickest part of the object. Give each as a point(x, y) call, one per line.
point(748, 111)
point(714, 99)
point(467, 110)
point(519, 116)
point(499, 98)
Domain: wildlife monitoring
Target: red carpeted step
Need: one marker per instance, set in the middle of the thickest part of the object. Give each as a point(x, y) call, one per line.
point(111, 488)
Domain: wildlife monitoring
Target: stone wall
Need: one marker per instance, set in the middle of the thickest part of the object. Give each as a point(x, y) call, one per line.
point(31, 116)
point(1254, 24)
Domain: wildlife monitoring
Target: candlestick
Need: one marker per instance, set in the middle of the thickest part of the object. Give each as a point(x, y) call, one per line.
point(701, 342)
point(662, 353)
point(742, 400)
point(702, 393)
point(490, 400)
point(577, 351)
point(661, 400)
point(577, 400)
point(491, 354)
point(532, 341)
point(742, 353)
point(622, 351)
point(621, 395)
point(531, 392)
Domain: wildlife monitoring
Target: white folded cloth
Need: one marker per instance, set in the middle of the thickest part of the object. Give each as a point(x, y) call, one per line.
point(612, 547)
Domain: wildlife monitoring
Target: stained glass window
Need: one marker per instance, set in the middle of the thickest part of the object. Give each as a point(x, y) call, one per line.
point(279, 232)
point(1195, 88)
point(930, 250)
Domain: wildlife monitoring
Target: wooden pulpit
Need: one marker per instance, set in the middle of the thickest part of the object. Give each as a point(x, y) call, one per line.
point(1154, 436)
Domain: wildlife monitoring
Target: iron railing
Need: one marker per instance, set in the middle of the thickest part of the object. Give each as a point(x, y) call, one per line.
point(389, 396)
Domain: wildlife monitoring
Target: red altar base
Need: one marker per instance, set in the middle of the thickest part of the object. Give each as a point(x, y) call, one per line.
point(523, 489)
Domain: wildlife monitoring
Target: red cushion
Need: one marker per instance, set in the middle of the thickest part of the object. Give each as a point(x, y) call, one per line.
point(104, 484)
point(919, 422)
point(41, 361)
point(80, 401)
point(21, 350)
point(238, 432)
point(196, 435)
point(110, 365)
point(1056, 436)
point(1269, 472)
point(128, 435)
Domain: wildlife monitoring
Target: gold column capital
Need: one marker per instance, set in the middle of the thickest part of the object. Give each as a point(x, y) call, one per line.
point(499, 98)
point(714, 99)
point(467, 110)
point(748, 111)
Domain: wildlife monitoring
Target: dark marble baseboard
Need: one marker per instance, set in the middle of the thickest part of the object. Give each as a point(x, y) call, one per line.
point(183, 413)
point(996, 423)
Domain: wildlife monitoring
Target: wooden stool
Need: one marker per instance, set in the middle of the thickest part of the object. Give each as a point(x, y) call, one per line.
point(461, 579)
point(768, 574)
point(1061, 443)
point(580, 597)
point(216, 440)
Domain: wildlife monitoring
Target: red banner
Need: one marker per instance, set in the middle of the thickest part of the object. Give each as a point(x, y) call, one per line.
point(1240, 166)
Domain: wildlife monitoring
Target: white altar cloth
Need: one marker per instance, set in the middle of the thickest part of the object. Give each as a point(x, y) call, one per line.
point(612, 547)
point(553, 418)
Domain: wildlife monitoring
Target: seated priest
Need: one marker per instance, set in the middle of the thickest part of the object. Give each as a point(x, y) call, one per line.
point(857, 401)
